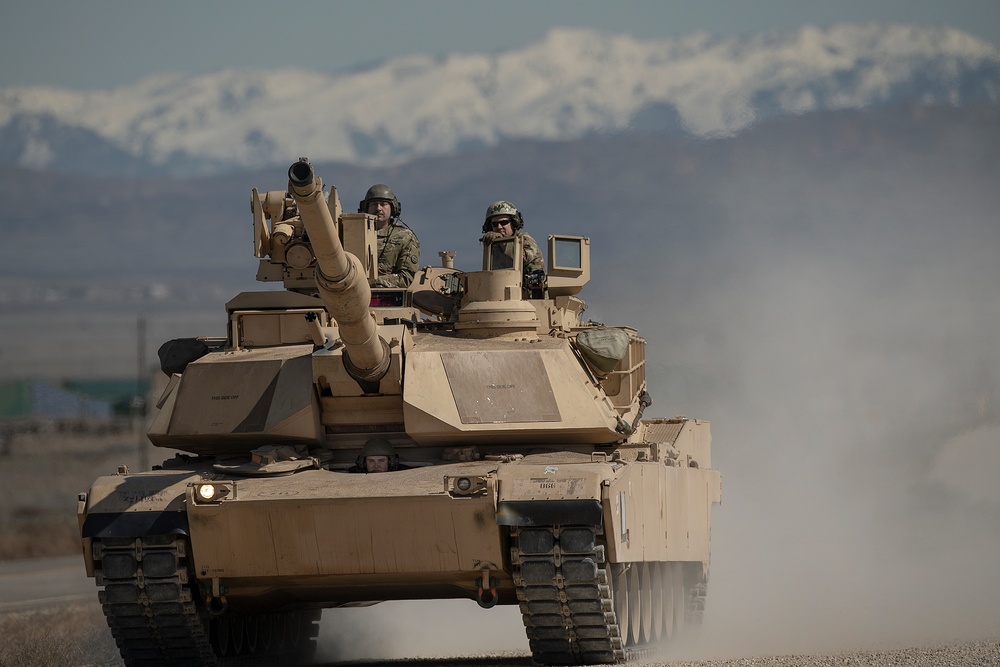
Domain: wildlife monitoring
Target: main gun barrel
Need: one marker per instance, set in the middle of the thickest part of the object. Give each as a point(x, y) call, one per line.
point(340, 277)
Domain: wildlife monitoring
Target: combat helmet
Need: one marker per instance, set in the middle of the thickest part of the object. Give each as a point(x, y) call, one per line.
point(379, 447)
point(503, 208)
point(381, 192)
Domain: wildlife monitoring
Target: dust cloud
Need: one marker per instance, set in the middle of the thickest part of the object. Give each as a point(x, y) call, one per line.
point(838, 322)
point(421, 629)
point(843, 336)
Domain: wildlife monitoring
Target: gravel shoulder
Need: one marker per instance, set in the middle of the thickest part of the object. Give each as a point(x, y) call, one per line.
point(966, 654)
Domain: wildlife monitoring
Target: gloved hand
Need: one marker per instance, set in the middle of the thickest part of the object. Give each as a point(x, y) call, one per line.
point(490, 236)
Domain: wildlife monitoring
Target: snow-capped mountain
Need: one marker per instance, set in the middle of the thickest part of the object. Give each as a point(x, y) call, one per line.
point(573, 83)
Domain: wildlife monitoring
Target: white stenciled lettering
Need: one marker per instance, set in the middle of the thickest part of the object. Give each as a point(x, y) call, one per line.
point(135, 497)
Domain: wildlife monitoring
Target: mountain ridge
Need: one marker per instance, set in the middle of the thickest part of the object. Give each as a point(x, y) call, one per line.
point(571, 84)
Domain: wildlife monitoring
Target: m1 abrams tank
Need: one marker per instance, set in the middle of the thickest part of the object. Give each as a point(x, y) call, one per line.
point(529, 476)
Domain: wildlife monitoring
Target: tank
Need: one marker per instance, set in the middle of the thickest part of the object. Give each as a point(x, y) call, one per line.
point(522, 470)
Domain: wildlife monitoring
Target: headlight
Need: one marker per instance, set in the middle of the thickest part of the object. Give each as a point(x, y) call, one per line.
point(213, 492)
point(464, 486)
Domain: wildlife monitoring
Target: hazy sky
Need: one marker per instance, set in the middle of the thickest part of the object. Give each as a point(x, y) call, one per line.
point(108, 43)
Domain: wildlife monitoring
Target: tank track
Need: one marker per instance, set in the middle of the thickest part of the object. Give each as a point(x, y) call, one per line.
point(569, 605)
point(694, 604)
point(565, 597)
point(150, 606)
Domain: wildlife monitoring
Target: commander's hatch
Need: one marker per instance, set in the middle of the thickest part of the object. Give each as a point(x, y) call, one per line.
point(504, 253)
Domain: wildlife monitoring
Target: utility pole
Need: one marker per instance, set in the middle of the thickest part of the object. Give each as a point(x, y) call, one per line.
point(140, 396)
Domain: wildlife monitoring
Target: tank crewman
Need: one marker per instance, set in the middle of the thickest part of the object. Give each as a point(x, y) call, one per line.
point(503, 219)
point(377, 455)
point(398, 247)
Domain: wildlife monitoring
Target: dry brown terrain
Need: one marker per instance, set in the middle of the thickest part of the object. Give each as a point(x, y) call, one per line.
point(40, 479)
point(39, 482)
point(71, 636)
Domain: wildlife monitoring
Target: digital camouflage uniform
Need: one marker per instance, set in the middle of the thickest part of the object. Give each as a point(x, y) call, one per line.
point(398, 255)
point(533, 260)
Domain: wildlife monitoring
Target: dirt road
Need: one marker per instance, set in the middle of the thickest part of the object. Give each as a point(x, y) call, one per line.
point(447, 636)
point(34, 584)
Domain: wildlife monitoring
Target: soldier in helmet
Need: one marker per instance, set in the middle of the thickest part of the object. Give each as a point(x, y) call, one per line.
point(398, 247)
point(378, 455)
point(503, 219)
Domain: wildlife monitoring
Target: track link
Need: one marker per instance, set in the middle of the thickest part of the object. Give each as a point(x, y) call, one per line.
point(148, 603)
point(150, 606)
point(570, 599)
point(565, 596)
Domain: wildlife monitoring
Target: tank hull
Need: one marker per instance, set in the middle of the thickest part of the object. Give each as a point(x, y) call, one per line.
point(330, 538)
point(322, 539)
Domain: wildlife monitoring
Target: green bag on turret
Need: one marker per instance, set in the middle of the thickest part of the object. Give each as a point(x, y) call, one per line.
point(603, 347)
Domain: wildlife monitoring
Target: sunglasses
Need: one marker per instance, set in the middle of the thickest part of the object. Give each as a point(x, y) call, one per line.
point(501, 222)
